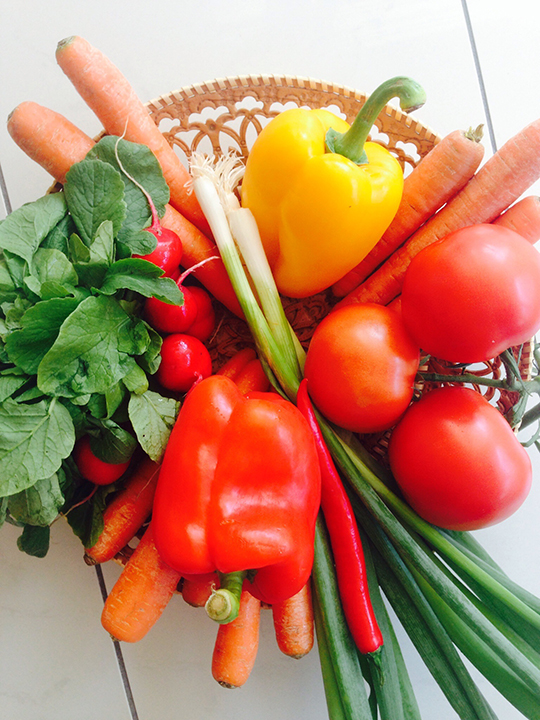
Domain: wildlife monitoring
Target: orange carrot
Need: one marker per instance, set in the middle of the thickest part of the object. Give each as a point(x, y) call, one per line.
point(48, 138)
point(437, 178)
point(293, 624)
point(197, 588)
point(55, 143)
point(232, 367)
point(140, 594)
point(111, 97)
point(125, 515)
point(237, 643)
point(498, 183)
point(523, 217)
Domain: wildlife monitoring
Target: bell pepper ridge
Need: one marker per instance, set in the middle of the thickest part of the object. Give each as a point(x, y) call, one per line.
point(350, 144)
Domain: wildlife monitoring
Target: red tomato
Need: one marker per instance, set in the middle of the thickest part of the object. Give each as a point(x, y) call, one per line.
point(457, 461)
point(360, 367)
point(168, 252)
point(94, 469)
point(472, 295)
point(184, 361)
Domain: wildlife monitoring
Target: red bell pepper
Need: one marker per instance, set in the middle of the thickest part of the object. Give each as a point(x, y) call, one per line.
point(239, 489)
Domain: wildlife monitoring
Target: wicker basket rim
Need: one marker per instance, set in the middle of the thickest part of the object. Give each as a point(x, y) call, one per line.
point(253, 83)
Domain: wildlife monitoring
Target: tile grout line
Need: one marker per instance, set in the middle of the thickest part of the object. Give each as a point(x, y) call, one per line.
point(119, 655)
point(479, 75)
point(5, 194)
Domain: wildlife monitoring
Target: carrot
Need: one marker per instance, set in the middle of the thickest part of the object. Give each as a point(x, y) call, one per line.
point(498, 183)
point(237, 643)
point(111, 97)
point(232, 367)
point(293, 624)
point(48, 138)
point(140, 594)
point(125, 515)
point(437, 178)
point(55, 143)
point(197, 588)
point(523, 217)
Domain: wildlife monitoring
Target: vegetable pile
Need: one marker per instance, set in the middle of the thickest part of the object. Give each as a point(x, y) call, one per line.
point(254, 483)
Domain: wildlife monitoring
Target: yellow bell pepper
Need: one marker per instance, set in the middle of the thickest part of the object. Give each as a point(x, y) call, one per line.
point(321, 194)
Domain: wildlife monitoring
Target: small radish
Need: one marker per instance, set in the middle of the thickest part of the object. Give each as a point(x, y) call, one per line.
point(185, 361)
point(92, 468)
point(168, 252)
point(205, 320)
point(166, 318)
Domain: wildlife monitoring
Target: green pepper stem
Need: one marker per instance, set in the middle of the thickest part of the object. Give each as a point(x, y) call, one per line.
point(351, 143)
point(224, 603)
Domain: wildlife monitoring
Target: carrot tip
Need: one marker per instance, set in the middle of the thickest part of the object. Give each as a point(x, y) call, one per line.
point(228, 685)
point(89, 560)
point(65, 41)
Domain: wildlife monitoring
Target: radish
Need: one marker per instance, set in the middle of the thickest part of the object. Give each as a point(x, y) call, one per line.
point(185, 361)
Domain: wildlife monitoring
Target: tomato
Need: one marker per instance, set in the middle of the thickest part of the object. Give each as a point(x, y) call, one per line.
point(168, 251)
point(457, 461)
point(360, 367)
point(184, 361)
point(92, 468)
point(472, 295)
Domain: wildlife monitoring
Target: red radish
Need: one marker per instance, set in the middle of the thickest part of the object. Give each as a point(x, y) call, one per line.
point(197, 309)
point(168, 252)
point(92, 468)
point(167, 318)
point(184, 362)
point(205, 320)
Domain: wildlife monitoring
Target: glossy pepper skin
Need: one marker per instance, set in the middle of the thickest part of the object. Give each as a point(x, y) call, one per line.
point(239, 489)
point(321, 206)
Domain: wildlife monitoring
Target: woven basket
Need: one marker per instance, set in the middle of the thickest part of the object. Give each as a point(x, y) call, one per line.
point(226, 115)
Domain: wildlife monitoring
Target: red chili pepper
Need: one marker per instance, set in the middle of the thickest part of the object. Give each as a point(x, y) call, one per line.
point(239, 489)
point(345, 540)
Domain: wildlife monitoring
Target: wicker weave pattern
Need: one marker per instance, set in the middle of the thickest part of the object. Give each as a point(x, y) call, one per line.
point(243, 105)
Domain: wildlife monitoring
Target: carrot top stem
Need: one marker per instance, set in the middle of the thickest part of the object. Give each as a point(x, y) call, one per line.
point(224, 603)
point(351, 143)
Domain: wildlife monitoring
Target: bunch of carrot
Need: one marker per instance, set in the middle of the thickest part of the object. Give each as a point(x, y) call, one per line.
point(447, 191)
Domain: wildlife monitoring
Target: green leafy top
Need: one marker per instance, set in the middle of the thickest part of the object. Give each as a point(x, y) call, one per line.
point(75, 355)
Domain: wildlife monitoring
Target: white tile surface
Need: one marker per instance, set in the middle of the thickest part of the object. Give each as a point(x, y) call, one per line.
point(56, 661)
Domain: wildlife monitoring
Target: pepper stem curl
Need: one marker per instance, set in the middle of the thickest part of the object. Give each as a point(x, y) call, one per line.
point(351, 143)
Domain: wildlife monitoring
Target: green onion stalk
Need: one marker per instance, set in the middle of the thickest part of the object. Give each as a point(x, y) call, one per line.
point(448, 594)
